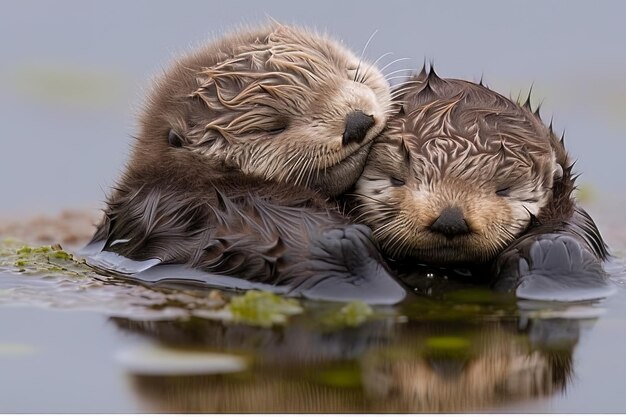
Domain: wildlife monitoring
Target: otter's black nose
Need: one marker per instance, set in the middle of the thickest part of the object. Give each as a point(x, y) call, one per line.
point(357, 126)
point(450, 223)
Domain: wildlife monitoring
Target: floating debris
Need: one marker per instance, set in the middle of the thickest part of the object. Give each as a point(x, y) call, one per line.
point(352, 314)
point(161, 360)
point(263, 308)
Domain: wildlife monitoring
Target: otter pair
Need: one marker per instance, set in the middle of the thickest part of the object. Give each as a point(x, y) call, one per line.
point(246, 144)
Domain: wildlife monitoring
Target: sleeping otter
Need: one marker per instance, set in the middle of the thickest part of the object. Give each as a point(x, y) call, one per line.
point(241, 144)
point(464, 176)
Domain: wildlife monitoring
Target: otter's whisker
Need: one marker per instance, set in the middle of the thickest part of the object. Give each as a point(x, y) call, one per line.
point(356, 74)
point(309, 169)
point(294, 167)
point(410, 82)
point(396, 72)
point(394, 62)
point(376, 200)
point(397, 93)
point(380, 57)
point(396, 77)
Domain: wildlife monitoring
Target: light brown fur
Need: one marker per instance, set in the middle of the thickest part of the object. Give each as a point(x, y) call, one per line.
point(271, 103)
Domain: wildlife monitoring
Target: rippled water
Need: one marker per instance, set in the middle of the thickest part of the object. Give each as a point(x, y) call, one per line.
point(81, 342)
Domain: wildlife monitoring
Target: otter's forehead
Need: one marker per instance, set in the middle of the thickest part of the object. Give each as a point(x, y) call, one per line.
point(274, 50)
point(460, 129)
point(298, 52)
point(470, 145)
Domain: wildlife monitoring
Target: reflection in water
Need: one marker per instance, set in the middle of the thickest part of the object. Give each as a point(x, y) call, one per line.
point(409, 364)
point(461, 348)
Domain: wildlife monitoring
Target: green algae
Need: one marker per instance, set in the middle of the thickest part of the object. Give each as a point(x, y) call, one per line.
point(339, 375)
point(479, 296)
point(448, 343)
point(48, 261)
point(351, 314)
point(263, 308)
point(463, 305)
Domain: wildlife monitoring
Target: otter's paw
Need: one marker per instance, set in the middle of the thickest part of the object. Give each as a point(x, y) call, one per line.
point(345, 265)
point(554, 267)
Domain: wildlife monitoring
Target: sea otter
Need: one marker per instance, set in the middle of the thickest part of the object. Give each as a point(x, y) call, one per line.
point(465, 177)
point(241, 146)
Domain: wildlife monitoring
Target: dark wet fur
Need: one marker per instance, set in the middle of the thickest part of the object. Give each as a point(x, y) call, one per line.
point(257, 230)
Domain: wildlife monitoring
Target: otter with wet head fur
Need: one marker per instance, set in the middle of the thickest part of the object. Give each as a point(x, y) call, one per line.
point(243, 144)
point(465, 177)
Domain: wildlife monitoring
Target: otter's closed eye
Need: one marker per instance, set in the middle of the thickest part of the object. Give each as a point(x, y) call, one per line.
point(274, 126)
point(504, 192)
point(396, 182)
point(276, 130)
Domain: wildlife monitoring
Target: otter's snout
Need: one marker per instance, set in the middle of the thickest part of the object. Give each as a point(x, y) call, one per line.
point(450, 223)
point(357, 126)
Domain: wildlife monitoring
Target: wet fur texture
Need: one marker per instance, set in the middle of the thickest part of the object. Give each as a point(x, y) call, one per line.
point(459, 144)
point(239, 150)
point(266, 232)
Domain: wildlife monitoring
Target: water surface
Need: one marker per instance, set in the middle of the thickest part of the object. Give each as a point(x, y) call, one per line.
point(80, 342)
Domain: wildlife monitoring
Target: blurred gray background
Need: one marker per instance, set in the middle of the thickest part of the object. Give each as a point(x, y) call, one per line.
point(73, 74)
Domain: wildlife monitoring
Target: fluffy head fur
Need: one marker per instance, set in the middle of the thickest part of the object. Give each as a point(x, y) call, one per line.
point(459, 145)
point(271, 103)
